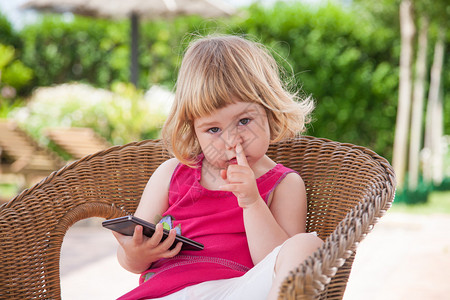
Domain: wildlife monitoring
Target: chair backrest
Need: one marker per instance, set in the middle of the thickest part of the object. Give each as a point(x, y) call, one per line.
point(339, 178)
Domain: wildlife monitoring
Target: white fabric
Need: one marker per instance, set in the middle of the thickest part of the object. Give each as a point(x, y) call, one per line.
point(255, 284)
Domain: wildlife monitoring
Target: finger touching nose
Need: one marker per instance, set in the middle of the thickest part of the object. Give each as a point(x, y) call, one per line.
point(240, 155)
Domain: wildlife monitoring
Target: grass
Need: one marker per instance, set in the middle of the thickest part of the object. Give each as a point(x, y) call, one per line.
point(438, 203)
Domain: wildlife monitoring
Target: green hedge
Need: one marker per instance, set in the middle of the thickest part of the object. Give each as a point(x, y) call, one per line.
point(86, 50)
point(8, 36)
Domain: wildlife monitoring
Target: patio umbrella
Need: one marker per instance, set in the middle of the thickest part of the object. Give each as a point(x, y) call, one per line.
point(135, 10)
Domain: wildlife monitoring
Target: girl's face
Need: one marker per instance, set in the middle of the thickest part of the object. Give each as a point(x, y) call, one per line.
point(240, 122)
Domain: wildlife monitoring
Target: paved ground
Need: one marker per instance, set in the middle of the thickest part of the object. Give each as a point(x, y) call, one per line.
point(404, 257)
point(89, 268)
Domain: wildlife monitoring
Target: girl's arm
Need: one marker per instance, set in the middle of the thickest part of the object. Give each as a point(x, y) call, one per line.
point(267, 227)
point(138, 252)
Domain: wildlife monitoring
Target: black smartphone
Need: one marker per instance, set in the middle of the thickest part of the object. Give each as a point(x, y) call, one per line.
point(125, 225)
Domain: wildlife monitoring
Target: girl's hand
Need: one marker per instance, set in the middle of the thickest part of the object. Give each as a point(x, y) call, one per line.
point(141, 251)
point(242, 181)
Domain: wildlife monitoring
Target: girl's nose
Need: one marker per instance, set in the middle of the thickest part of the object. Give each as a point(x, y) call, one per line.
point(231, 138)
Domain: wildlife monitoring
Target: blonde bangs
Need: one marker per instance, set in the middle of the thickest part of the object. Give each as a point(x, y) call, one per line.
point(212, 79)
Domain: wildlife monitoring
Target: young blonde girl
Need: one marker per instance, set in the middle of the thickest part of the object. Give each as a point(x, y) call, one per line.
point(221, 189)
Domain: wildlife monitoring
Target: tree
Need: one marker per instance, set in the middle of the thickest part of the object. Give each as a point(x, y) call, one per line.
point(418, 104)
point(407, 30)
point(434, 123)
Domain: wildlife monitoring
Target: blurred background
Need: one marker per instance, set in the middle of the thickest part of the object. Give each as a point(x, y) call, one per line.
point(78, 76)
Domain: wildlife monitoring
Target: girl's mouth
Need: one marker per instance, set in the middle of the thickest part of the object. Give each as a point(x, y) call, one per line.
point(232, 161)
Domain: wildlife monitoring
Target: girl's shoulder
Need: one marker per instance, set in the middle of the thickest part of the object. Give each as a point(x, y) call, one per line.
point(167, 168)
point(170, 163)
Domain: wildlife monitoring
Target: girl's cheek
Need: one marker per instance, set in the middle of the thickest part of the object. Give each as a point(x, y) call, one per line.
point(247, 135)
point(212, 148)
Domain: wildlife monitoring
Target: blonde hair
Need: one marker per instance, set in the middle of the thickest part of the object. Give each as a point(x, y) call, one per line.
point(214, 71)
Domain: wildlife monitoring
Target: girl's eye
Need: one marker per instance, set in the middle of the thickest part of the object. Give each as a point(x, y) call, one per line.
point(244, 121)
point(214, 130)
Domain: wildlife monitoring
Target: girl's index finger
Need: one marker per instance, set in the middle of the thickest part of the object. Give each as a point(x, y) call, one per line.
point(240, 155)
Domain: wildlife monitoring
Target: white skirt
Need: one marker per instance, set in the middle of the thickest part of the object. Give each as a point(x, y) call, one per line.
point(255, 284)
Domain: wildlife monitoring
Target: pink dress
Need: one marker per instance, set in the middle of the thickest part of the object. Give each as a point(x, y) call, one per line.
point(212, 218)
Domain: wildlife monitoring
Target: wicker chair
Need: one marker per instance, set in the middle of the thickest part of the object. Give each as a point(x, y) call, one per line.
point(349, 188)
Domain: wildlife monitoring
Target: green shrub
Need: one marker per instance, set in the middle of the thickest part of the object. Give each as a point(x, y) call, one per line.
point(8, 36)
point(420, 195)
point(422, 192)
point(14, 75)
point(85, 50)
